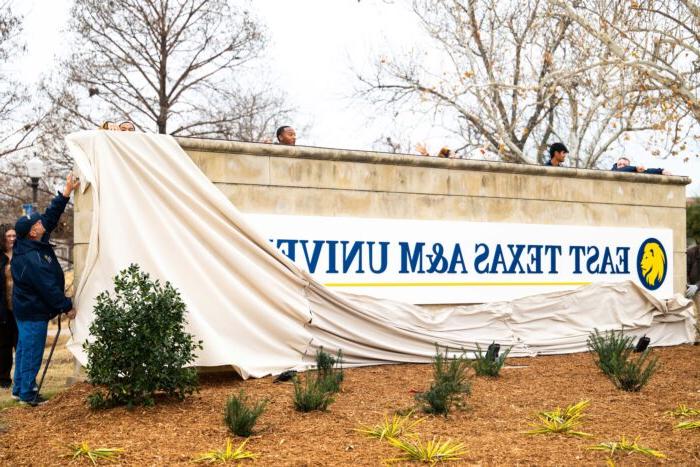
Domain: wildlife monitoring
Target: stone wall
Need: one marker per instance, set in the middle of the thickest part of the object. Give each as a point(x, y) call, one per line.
point(273, 179)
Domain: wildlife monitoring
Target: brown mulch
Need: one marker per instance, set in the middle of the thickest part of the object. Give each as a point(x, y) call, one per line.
point(172, 433)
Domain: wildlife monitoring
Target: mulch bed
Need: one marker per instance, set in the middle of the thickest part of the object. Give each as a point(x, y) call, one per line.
point(172, 433)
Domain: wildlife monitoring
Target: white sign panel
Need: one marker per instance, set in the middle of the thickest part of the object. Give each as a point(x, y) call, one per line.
point(424, 262)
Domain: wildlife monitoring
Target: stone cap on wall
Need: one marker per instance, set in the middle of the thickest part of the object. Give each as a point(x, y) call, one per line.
point(373, 157)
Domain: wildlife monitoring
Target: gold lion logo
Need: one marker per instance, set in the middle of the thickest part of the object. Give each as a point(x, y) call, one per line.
point(653, 264)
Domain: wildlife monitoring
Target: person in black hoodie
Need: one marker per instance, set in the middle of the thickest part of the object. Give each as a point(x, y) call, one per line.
point(38, 291)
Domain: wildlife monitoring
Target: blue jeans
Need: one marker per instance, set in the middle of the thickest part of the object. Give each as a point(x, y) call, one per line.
point(28, 356)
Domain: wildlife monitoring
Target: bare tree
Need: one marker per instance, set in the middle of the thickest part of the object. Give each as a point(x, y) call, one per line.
point(514, 77)
point(660, 41)
point(659, 38)
point(15, 129)
point(175, 66)
point(18, 122)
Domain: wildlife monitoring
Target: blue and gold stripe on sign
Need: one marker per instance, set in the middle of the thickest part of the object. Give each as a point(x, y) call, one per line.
point(449, 284)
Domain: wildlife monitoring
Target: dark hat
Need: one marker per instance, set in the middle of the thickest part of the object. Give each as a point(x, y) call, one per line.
point(25, 223)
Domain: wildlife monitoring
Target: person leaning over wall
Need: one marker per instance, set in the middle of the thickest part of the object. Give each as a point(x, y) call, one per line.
point(126, 125)
point(557, 155)
point(286, 136)
point(444, 151)
point(623, 165)
point(8, 327)
point(38, 291)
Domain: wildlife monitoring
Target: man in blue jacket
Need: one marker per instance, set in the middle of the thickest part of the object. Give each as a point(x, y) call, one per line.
point(38, 291)
point(623, 165)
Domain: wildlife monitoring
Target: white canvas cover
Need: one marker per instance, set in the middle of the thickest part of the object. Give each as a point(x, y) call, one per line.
point(256, 311)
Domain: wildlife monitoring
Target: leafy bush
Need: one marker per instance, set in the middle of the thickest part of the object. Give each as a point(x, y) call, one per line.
point(486, 364)
point(450, 382)
point(240, 417)
point(312, 395)
point(140, 345)
point(614, 353)
point(329, 370)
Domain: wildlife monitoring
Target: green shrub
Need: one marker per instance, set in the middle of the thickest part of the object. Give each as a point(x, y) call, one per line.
point(611, 348)
point(240, 417)
point(450, 383)
point(633, 375)
point(140, 345)
point(329, 370)
point(438, 399)
point(485, 364)
point(311, 395)
point(614, 353)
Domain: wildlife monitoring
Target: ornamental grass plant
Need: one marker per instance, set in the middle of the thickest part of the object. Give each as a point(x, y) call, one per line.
point(628, 446)
point(430, 452)
point(561, 421)
point(683, 411)
point(94, 455)
point(240, 416)
point(689, 425)
point(228, 454)
point(398, 426)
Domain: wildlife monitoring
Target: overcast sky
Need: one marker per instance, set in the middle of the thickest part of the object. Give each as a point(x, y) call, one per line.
point(314, 45)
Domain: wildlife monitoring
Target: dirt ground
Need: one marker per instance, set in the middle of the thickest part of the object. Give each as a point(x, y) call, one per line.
point(172, 433)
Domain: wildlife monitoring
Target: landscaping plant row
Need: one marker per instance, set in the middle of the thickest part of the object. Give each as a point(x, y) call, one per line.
point(141, 349)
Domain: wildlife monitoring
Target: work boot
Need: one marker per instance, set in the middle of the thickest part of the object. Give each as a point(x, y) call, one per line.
point(38, 400)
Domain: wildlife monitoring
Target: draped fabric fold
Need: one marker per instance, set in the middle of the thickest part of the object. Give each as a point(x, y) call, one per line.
point(256, 311)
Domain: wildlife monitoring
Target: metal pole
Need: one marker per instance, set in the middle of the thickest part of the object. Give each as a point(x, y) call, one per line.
point(35, 187)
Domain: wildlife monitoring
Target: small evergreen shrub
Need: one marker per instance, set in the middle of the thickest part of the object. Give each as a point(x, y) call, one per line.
point(316, 393)
point(611, 348)
point(311, 395)
point(450, 383)
point(240, 417)
point(633, 375)
point(140, 345)
point(614, 353)
point(329, 370)
point(486, 364)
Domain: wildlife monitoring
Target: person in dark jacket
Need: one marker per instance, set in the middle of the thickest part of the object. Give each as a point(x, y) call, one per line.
point(38, 291)
point(557, 155)
point(8, 327)
point(623, 165)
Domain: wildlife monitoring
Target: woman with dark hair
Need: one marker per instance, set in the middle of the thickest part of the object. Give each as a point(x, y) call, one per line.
point(8, 326)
